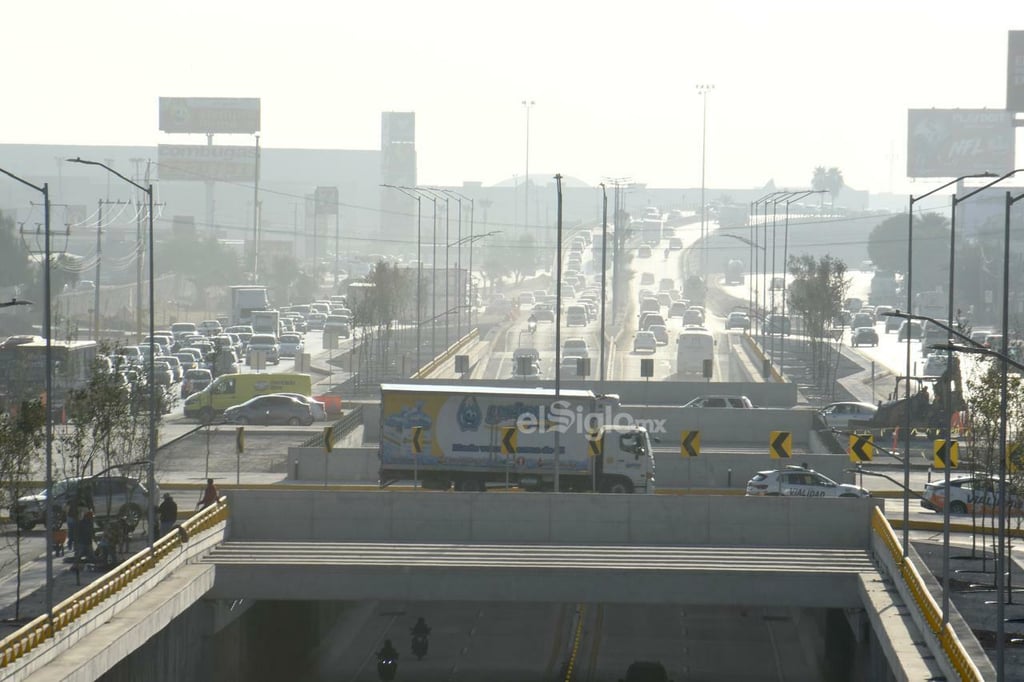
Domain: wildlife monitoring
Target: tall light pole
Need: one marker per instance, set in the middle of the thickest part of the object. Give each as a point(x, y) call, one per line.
point(527, 104)
point(604, 271)
point(48, 386)
point(458, 255)
point(151, 474)
point(785, 257)
point(703, 90)
point(413, 194)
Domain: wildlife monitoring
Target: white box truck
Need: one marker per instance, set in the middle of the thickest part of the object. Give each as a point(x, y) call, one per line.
point(246, 298)
point(266, 322)
point(469, 437)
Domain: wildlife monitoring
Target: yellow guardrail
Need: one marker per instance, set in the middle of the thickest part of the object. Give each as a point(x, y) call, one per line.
point(37, 631)
point(954, 650)
point(427, 369)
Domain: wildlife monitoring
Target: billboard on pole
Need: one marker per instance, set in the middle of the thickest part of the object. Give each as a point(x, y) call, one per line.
point(948, 143)
point(1015, 72)
point(210, 115)
point(221, 163)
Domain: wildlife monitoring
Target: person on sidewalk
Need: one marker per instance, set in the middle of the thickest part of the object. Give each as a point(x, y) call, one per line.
point(210, 495)
point(168, 514)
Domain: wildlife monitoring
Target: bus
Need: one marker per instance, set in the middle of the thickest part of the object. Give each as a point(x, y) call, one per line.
point(23, 367)
point(695, 352)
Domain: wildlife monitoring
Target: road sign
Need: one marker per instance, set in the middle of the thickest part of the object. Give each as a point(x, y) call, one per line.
point(461, 364)
point(689, 445)
point(1014, 458)
point(939, 460)
point(508, 440)
point(240, 439)
point(862, 447)
point(596, 446)
point(328, 438)
point(780, 444)
point(646, 368)
point(417, 440)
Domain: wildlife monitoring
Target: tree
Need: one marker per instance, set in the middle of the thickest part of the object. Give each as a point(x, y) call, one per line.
point(887, 248)
point(205, 262)
point(523, 257)
point(817, 291)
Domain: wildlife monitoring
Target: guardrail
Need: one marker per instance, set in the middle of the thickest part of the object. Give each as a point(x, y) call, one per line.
point(36, 632)
point(341, 428)
point(929, 610)
point(427, 369)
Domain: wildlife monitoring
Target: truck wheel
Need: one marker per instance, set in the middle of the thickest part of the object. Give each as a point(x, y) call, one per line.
point(616, 485)
point(26, 524)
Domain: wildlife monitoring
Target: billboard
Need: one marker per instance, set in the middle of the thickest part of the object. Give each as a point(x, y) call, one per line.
point(1015, 72)
point(210, 114)
point(206, 162)
point(326, 200)
point(948, 143)
point(397, 127)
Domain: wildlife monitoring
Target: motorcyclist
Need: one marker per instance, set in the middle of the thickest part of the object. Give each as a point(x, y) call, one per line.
point(387, 652)
point(420, 628)
point(531, 322)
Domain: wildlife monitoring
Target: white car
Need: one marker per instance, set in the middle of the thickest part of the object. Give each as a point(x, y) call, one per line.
point(966, 494)
point(732, 401)
point(290, 346)
point(645, 341)
point(839, 415)
point(796, 481)
point(317, 407)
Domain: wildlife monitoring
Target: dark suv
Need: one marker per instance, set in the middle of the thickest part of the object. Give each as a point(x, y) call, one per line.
point(112, 497)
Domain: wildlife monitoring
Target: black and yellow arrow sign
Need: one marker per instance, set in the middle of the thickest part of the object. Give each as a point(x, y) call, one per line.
point(1014, 458)
point(780, 444)
point(862, 447)
point(939, 460)
point(689, 443)
point(595, 445)
point(240, 439)
point(508, 440)
point(417, 440)
point(328, 438)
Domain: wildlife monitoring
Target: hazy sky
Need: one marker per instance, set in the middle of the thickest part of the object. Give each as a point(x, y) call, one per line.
point(797, 83)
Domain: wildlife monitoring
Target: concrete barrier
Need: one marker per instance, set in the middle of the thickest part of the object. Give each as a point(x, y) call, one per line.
point(330, 516)
point(343, 464)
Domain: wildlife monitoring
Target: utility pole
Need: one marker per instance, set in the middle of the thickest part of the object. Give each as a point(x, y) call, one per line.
point(256, 217)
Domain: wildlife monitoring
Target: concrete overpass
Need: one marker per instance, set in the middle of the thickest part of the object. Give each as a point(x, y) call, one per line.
point(318, 546)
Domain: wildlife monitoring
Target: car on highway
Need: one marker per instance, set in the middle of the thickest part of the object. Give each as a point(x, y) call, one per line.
point(777, 324)
point(646, 278)
point(570, 366)
point(737, 320)
point(677, 309)
point(576, 316)
point(675, 243)
point(893, 323)
point(648, 319)
point(209, 328)
point(111, 496)
point(839, 415)
point(909, 329)
point(735, 401)
point(317, 407)
point(290, 345)
point(645, 341)
point(542, 312)
point(195, 380)
point(644, 252)
point(269, 409)
point(975, 493)
point(650, 305)
point(880, 312)
point(314, 321)
point(798, 481)
point(864, 336)
point(935, 365)
point(862, 319)
point(660, 332)
point(693, 316)
point(265, 343)
point(577, 347)
point(526, 362)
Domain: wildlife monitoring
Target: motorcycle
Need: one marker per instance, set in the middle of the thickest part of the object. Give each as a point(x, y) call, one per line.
point(531, 326)
point(387, 668)
point(420, 644)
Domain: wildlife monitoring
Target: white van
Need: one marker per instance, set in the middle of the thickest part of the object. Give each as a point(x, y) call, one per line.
point(693, 347)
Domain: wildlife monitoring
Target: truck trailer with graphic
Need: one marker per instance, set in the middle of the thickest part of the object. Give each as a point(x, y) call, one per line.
point(469, 438)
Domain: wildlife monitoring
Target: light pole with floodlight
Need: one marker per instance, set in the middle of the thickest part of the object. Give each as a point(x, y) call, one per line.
point(412, 194)
point(703, 91)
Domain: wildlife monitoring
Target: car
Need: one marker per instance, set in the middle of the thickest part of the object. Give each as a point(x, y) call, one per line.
point(677, 309)
point(777, 324)
point(648, 319)
point(880, 312)
point(194, 381)
point(290, 345)
point(660, 332)
point(893, 323)
point(526, 363)
point(244, 331)
point(645, 341)
point(272, 408)
point(732, 401)
point(542, 312)
point(934, 365)
point(647, 278)
point(526, 298)
point(177, 371)
point(909, 329)
point(209, 328)
point(864, 336)
point(862, 319)
point(839, 415)
point(675, 243)
point(692, 316)
point(664, 299)
point(576, 316)
point(650, 305)
point(666, 284)
point(317, 407)
point(644, 252)
point(576, 347)
point(570, 366)
point(645, 671)
point(111, 496)
point(266, 343)
point(315, 321)
point(966, 492)
point(798, 481)
point(162, 373)
point(737, 320)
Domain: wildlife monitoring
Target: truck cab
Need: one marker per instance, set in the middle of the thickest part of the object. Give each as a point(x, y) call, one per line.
point(626, 463)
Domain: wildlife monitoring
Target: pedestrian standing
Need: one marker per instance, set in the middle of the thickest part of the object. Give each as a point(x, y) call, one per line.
point(168, 514)
point(210, 495)
point(83, 543)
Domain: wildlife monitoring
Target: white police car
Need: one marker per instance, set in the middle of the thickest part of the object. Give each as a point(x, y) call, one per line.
point(797, 481)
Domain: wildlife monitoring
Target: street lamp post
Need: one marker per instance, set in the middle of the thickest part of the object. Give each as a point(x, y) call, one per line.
point(782, 328)
point(412, 194)
point(151, 474)
point(604, 275)
point(48, 384)
point(703, 91)
point(459, 285)
point(527, 104)
point(785, 256)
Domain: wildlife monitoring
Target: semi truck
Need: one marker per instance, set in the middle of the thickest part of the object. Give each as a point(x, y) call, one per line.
point(246, 298)
point(734, 272)
point(468, 438)
point(266, 322)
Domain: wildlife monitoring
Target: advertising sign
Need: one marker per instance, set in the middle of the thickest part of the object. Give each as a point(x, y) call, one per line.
point(397, 127)
point(948, 143)
point(326, 200)
point(210, 114)
point(206, 162)
point(1015, 72)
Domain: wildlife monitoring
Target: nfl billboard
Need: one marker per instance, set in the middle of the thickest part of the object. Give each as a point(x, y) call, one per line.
point(948, 143)
point(210, 115)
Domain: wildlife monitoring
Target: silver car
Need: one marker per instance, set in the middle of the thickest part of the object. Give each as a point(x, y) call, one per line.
point(796, 481)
